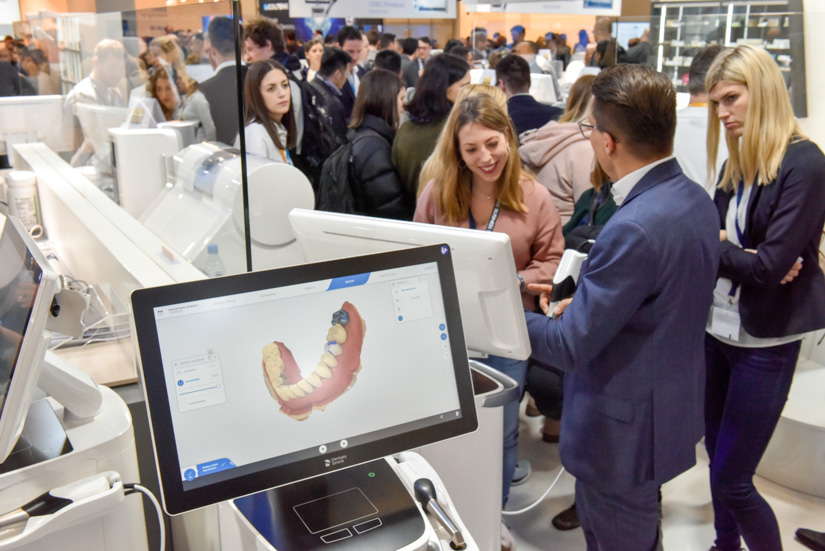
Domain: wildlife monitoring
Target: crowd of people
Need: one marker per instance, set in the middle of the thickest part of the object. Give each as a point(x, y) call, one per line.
point(702, 273)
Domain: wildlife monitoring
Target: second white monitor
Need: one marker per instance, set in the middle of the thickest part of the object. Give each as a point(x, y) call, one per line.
point(491, 307)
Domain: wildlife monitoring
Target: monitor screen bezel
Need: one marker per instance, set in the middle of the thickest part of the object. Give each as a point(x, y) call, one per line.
point(32, 349)
point(176, 498)
point(328, 235)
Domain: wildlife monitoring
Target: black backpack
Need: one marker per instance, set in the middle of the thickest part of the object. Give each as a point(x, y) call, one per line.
point(319, 140)
point(335, 187)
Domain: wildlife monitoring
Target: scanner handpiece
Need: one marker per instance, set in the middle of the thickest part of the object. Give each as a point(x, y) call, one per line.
point(58, 498)
point(425, 494)
point(566, 278)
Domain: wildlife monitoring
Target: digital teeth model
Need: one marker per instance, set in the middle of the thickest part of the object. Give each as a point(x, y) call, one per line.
point(334, 374)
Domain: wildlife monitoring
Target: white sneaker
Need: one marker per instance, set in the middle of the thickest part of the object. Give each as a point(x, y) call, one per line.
point(522, 472)
point(507, 541)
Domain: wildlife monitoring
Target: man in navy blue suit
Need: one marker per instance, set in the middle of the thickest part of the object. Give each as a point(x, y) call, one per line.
point(631, 339)
point(349, 40)
point(513, 77)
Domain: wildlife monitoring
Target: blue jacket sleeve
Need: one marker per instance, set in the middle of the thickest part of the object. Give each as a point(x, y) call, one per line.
point(620, 274)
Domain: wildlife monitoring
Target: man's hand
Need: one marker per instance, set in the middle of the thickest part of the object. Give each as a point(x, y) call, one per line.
point(544, 294)
point(544, 298)
point(723, 235)
point(562, 306)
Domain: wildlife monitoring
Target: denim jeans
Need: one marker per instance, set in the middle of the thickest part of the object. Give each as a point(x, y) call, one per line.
point(745, 392)
point(517, 370)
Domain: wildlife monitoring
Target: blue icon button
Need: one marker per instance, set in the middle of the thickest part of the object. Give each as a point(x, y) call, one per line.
point(400, 318)
point(189, 474)
point(443, 336)
point(442, 327)
point(180, 383)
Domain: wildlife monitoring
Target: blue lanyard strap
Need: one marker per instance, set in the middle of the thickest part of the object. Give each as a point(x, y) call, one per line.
point(739, 233)
point(493, 217)
point(740, 191)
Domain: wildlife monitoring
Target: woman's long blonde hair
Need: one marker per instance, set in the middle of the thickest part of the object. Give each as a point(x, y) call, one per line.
point(578, 101)
point(769, 125)
point(432, 168)
point(452, 186)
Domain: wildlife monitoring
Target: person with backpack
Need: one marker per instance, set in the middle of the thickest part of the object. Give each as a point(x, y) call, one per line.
point(360, 178)
point(328, 82)
point(269, 118)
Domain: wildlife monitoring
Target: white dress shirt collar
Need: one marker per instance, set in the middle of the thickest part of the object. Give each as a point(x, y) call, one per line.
point(625, 185)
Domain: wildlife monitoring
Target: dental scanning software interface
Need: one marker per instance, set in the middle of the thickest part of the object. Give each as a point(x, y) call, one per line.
point(268, 377)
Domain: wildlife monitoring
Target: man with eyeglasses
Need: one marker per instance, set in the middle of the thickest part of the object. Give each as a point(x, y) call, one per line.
point(631, 339)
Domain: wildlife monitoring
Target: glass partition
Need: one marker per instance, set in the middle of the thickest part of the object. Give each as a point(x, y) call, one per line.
point(147, 109)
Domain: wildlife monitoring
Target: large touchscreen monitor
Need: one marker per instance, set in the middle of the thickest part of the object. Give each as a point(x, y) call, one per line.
point(27, 287)
point(262, 379)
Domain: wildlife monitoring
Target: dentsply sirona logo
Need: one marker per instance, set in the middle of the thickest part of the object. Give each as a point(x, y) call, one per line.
point(327, 463)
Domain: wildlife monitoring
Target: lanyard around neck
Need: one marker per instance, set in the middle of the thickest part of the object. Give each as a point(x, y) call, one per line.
point(493, 217)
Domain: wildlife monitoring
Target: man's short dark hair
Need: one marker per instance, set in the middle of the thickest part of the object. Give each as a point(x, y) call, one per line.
point(426, 40)
point(388, 60)
point(459, 51)
point(636, 105)
point(409, 46)
point(330, 40)
point(260, 30)
point(372, 37)
point(333, 60)
point(452, 43)
point(515, 72)
point(198, 36)
point(221, 35)
point(699, 68)
point(38, 57)
point(386, 41)
point(348, 33)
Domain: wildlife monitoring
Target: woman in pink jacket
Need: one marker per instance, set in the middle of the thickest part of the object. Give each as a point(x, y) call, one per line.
point(482, 186)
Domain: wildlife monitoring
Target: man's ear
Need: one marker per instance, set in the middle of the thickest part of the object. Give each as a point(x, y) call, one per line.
point(609, 144)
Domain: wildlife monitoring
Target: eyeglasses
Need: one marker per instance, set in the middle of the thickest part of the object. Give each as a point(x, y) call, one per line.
point(591, 127)
point(583, 125)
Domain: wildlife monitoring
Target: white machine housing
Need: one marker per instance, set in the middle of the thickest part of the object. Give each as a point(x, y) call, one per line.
point(205, 206)
point(105, 443)
point(236, 532)
point(139, 165)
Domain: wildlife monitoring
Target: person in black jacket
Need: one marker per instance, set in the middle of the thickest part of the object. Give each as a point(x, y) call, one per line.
point(377, 189)
point(329, 80)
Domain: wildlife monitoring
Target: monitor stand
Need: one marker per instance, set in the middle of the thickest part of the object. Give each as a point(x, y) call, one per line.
point(43, 438)
point(362, 507)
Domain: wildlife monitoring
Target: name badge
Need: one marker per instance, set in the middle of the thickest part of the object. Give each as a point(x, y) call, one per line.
point(725, 323)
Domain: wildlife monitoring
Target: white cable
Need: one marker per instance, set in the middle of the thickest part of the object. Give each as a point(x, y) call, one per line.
point(539, 500)
point(145, 491)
